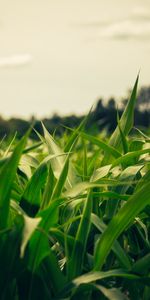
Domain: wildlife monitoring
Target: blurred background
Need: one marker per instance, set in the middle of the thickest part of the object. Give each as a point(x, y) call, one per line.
point(58, 58)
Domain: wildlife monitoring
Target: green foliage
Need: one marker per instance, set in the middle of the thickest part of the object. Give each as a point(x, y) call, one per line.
point(75, 215)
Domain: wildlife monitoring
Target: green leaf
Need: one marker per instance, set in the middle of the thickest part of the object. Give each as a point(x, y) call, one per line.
point(117, 249)
point(32, 147)
point(126, 123)
point(75, 133)
point(84, 160)
point(127, 175)
point(94, 276)
point(83, 186)
point(10, 242)
point(39, 252)
point(111, 294)
point(123, 137)
point(127, 158)
point(100, 173)
point(119, 222)
point(102, 145)
point(7, 175)
point(30, 224)
point(142, 266)
point(30, 200)
point(38, 247)
point(9, 146)
point(47, 195)
point(61, 181)
point(75, 263)
point(58, 161)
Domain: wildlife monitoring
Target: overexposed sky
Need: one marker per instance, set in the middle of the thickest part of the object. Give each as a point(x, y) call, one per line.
point(62, 55)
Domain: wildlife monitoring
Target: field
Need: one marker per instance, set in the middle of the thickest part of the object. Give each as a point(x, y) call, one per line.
point(75, 214)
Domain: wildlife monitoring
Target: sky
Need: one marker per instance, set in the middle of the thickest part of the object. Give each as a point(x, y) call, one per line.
point(60, 56)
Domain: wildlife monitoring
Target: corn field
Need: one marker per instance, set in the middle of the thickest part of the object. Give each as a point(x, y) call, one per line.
point(75, 214)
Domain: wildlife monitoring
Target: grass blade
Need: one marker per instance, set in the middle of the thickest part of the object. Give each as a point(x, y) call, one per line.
point(126, 123)
point(119, 222)
point(7, 176)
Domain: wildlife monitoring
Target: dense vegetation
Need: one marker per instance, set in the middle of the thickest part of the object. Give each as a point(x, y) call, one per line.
point(75, 214)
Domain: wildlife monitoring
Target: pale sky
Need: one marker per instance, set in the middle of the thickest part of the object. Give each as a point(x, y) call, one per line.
point(62, 55)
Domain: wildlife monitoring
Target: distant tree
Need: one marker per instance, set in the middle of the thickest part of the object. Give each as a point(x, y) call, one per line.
point(4, 127)
point(143, 99)
point(98, 116)
point(111, 103)
point(99, 105)
point(111, 114)
point(18, 125)
point(103, 116)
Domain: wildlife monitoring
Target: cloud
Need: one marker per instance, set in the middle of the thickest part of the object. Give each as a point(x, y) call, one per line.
point(140, 14)
point(127, 29)
point(135, 26)
point(18, 60)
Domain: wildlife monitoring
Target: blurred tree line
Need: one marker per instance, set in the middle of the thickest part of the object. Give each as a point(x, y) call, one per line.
point(104, 115)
